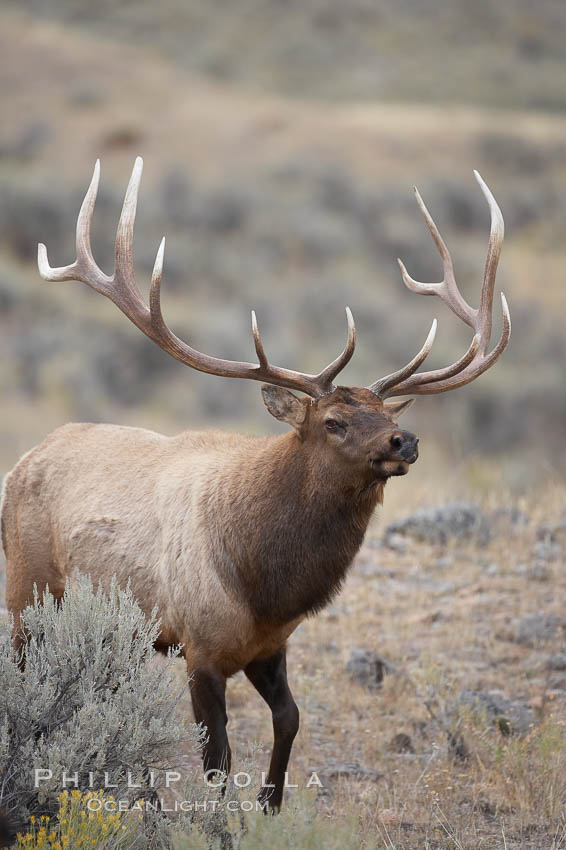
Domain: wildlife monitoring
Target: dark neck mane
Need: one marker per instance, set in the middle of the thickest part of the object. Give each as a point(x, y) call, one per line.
point(297, 539)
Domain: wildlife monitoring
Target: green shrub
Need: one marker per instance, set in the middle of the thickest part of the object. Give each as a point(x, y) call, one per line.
point(91, 699)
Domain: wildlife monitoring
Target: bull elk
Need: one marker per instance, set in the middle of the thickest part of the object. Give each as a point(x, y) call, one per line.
point(235, 538)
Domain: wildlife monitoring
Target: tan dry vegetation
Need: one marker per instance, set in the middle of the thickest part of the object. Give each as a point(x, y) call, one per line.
point(321, 193)
point(184, 117)
point(446, 617)
point(441, 51)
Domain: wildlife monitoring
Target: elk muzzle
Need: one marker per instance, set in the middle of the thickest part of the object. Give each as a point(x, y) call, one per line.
point(395, 457)
point(405, 445)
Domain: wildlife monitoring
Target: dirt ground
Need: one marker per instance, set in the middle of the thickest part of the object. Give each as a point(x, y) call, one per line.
point(462, 745)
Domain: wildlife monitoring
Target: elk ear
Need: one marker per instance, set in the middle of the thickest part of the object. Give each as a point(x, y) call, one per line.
point(284, 405)
point(396, 408)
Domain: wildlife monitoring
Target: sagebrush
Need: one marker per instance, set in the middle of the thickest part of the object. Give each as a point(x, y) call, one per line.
point(92, 699)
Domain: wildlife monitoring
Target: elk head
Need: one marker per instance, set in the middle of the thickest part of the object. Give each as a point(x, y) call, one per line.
point(351, 428)
point(355, 427)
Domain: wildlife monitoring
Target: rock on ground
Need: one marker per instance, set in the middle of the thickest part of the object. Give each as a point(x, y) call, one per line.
point(536, 629)
point(367, 668)
point(460, 521)
point(510, 717)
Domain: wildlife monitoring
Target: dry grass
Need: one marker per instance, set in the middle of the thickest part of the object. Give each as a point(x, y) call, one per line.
point(445, 617)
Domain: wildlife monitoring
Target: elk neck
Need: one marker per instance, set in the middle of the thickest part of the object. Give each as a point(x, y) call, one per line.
point(289, 527)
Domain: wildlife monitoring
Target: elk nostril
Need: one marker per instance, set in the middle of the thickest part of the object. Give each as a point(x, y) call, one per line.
point(397, 441)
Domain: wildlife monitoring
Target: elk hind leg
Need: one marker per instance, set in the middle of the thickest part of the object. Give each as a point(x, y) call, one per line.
point(27, 542)
point(22, 577)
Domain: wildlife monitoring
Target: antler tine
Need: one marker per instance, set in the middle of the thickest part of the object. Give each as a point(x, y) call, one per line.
point(448, 371)
point(158, 330)
point(328, 374)
point(84, 268)
point(261, 356)
point(84, 220)
point(124, 265)
point(380, 387)
point(156, 316)
point(496, 235)
point(123, 291)
point(476, 360)
point(440, 382)
point(447, 289)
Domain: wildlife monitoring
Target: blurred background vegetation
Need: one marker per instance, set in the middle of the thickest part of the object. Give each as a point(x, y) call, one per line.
point(281, 141)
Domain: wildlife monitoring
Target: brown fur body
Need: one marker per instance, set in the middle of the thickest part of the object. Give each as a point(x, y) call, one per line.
point(235, 539)
point(196, 523)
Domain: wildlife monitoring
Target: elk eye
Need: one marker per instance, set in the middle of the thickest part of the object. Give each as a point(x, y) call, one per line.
point(333, 425)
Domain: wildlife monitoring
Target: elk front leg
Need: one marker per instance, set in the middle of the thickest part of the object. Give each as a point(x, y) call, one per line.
point(208, 696)
point(269, 678)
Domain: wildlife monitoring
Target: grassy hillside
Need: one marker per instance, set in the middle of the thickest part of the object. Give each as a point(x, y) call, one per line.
point(293, 208)
point(504, 54)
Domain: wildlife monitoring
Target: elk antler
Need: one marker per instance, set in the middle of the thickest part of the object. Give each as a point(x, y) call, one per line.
point(477, 359)
point(122, 289)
